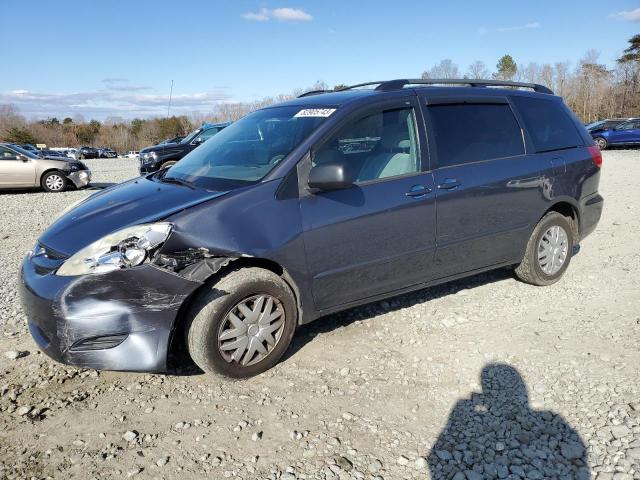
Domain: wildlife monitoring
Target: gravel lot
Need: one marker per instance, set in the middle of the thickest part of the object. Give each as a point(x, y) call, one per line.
point(432, 384)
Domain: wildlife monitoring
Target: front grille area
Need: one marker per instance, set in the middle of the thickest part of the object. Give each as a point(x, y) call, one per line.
point(98, 343)
point(46, 260)
point(53, 254)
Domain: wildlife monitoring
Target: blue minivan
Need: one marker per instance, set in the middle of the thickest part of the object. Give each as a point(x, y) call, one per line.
point(312, 206)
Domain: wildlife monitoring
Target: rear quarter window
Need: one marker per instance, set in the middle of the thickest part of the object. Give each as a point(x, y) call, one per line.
point(548, 123)
point(466, 133)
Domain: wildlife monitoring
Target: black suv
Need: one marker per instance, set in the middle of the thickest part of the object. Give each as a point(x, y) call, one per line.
point(106, 153)
point(87, 152)
point(165, 155)
point(309, 207)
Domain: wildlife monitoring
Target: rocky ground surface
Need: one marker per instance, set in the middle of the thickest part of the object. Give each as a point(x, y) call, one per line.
point(432, 384)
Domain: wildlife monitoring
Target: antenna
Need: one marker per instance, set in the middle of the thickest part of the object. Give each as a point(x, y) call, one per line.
point(170, 95)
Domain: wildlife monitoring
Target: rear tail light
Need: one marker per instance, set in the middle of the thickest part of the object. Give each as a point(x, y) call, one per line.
point(596, 155)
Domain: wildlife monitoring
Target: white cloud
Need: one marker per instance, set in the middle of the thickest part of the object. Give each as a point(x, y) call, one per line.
point(104, 103)
point(284, 14)
point(260, 16)
point(291, 15)
point(515, 28)
point(122, 85)
point(629, 16)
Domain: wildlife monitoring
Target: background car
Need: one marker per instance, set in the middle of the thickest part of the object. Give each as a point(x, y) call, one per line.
point(21, 168)
point(177, 139)
point(47, 153)
point(106, 153)
point(132, 154)
point(28, 147)
point(87, 152)
point(625, 133)
point(607, 124)
point(165, 155)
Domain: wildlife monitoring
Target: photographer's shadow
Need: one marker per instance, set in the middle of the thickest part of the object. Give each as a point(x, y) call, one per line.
point(495, 434)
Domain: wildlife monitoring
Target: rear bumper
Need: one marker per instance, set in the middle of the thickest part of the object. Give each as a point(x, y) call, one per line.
point(590, 213)
point(131, 312)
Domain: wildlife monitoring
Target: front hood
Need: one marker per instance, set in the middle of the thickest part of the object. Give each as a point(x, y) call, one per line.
point(164, 149)
point(137, 201)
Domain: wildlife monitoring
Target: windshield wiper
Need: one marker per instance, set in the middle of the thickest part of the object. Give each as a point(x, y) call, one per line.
point(177, 181)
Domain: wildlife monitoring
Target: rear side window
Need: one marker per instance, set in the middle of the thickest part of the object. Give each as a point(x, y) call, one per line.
point(548, 124)
point(466, 133)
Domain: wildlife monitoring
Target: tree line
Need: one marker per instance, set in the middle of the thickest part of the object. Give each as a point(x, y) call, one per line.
point(590, 88)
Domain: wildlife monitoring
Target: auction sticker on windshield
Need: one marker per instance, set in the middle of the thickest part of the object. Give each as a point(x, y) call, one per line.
point(315, 112)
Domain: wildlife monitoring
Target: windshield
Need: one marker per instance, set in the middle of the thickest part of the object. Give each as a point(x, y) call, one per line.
point(244, 152)
point(24, 152)
point(596, 124)
point(191, 136)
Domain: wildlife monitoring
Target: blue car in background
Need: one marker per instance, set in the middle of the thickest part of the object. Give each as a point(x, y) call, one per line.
point(624, 133)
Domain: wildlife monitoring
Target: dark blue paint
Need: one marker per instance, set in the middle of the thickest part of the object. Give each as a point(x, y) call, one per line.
point(337, 249)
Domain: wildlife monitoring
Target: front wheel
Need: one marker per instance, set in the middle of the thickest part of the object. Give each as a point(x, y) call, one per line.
point(601, 143)
point(548, 252)
point(54, 182)
point(242, 325)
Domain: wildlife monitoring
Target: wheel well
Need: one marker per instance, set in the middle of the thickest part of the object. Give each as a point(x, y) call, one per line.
point(49, 170)
point(569, 211)
point(177, 354)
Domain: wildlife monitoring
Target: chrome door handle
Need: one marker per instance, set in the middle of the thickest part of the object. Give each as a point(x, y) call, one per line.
point(418, 191)
point(449, 184)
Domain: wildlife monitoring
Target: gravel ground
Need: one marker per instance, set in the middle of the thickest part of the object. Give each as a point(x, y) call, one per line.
point(481, 378)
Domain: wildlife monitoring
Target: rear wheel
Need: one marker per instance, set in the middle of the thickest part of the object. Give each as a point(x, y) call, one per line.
point(54, 182)
point(549, 251)
point(242, 325)
point(601, 142)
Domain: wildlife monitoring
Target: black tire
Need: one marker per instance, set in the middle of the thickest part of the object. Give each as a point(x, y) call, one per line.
point(529, 270)
point(168, 164)
point(209, 311)
point(601, 143)
point(81, 157)
point(52, 179)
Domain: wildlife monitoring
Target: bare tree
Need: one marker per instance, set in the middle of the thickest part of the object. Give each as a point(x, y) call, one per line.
point(478, 69)
point(445, 69)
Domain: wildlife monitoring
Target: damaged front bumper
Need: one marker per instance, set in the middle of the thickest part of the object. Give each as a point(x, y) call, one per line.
point(81, 178)
point(121, 320)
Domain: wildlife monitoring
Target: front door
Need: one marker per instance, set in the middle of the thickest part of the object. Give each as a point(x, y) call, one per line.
point(377, 236)
point(628, 132)
point(16, 170)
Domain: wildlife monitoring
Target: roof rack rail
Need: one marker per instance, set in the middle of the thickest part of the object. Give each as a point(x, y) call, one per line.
point(397, 84)
point(313, 92)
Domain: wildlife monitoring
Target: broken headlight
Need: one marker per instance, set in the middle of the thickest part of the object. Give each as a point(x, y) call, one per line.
point(121, 249)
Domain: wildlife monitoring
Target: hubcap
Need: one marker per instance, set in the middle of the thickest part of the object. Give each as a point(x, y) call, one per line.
point(600, 142)
point(54, 182)
point(552, 249)
point(251, 330)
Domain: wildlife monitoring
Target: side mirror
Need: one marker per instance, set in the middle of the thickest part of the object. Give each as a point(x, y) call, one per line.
point(330, 176)
point(198, 141)
point(24, 158)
